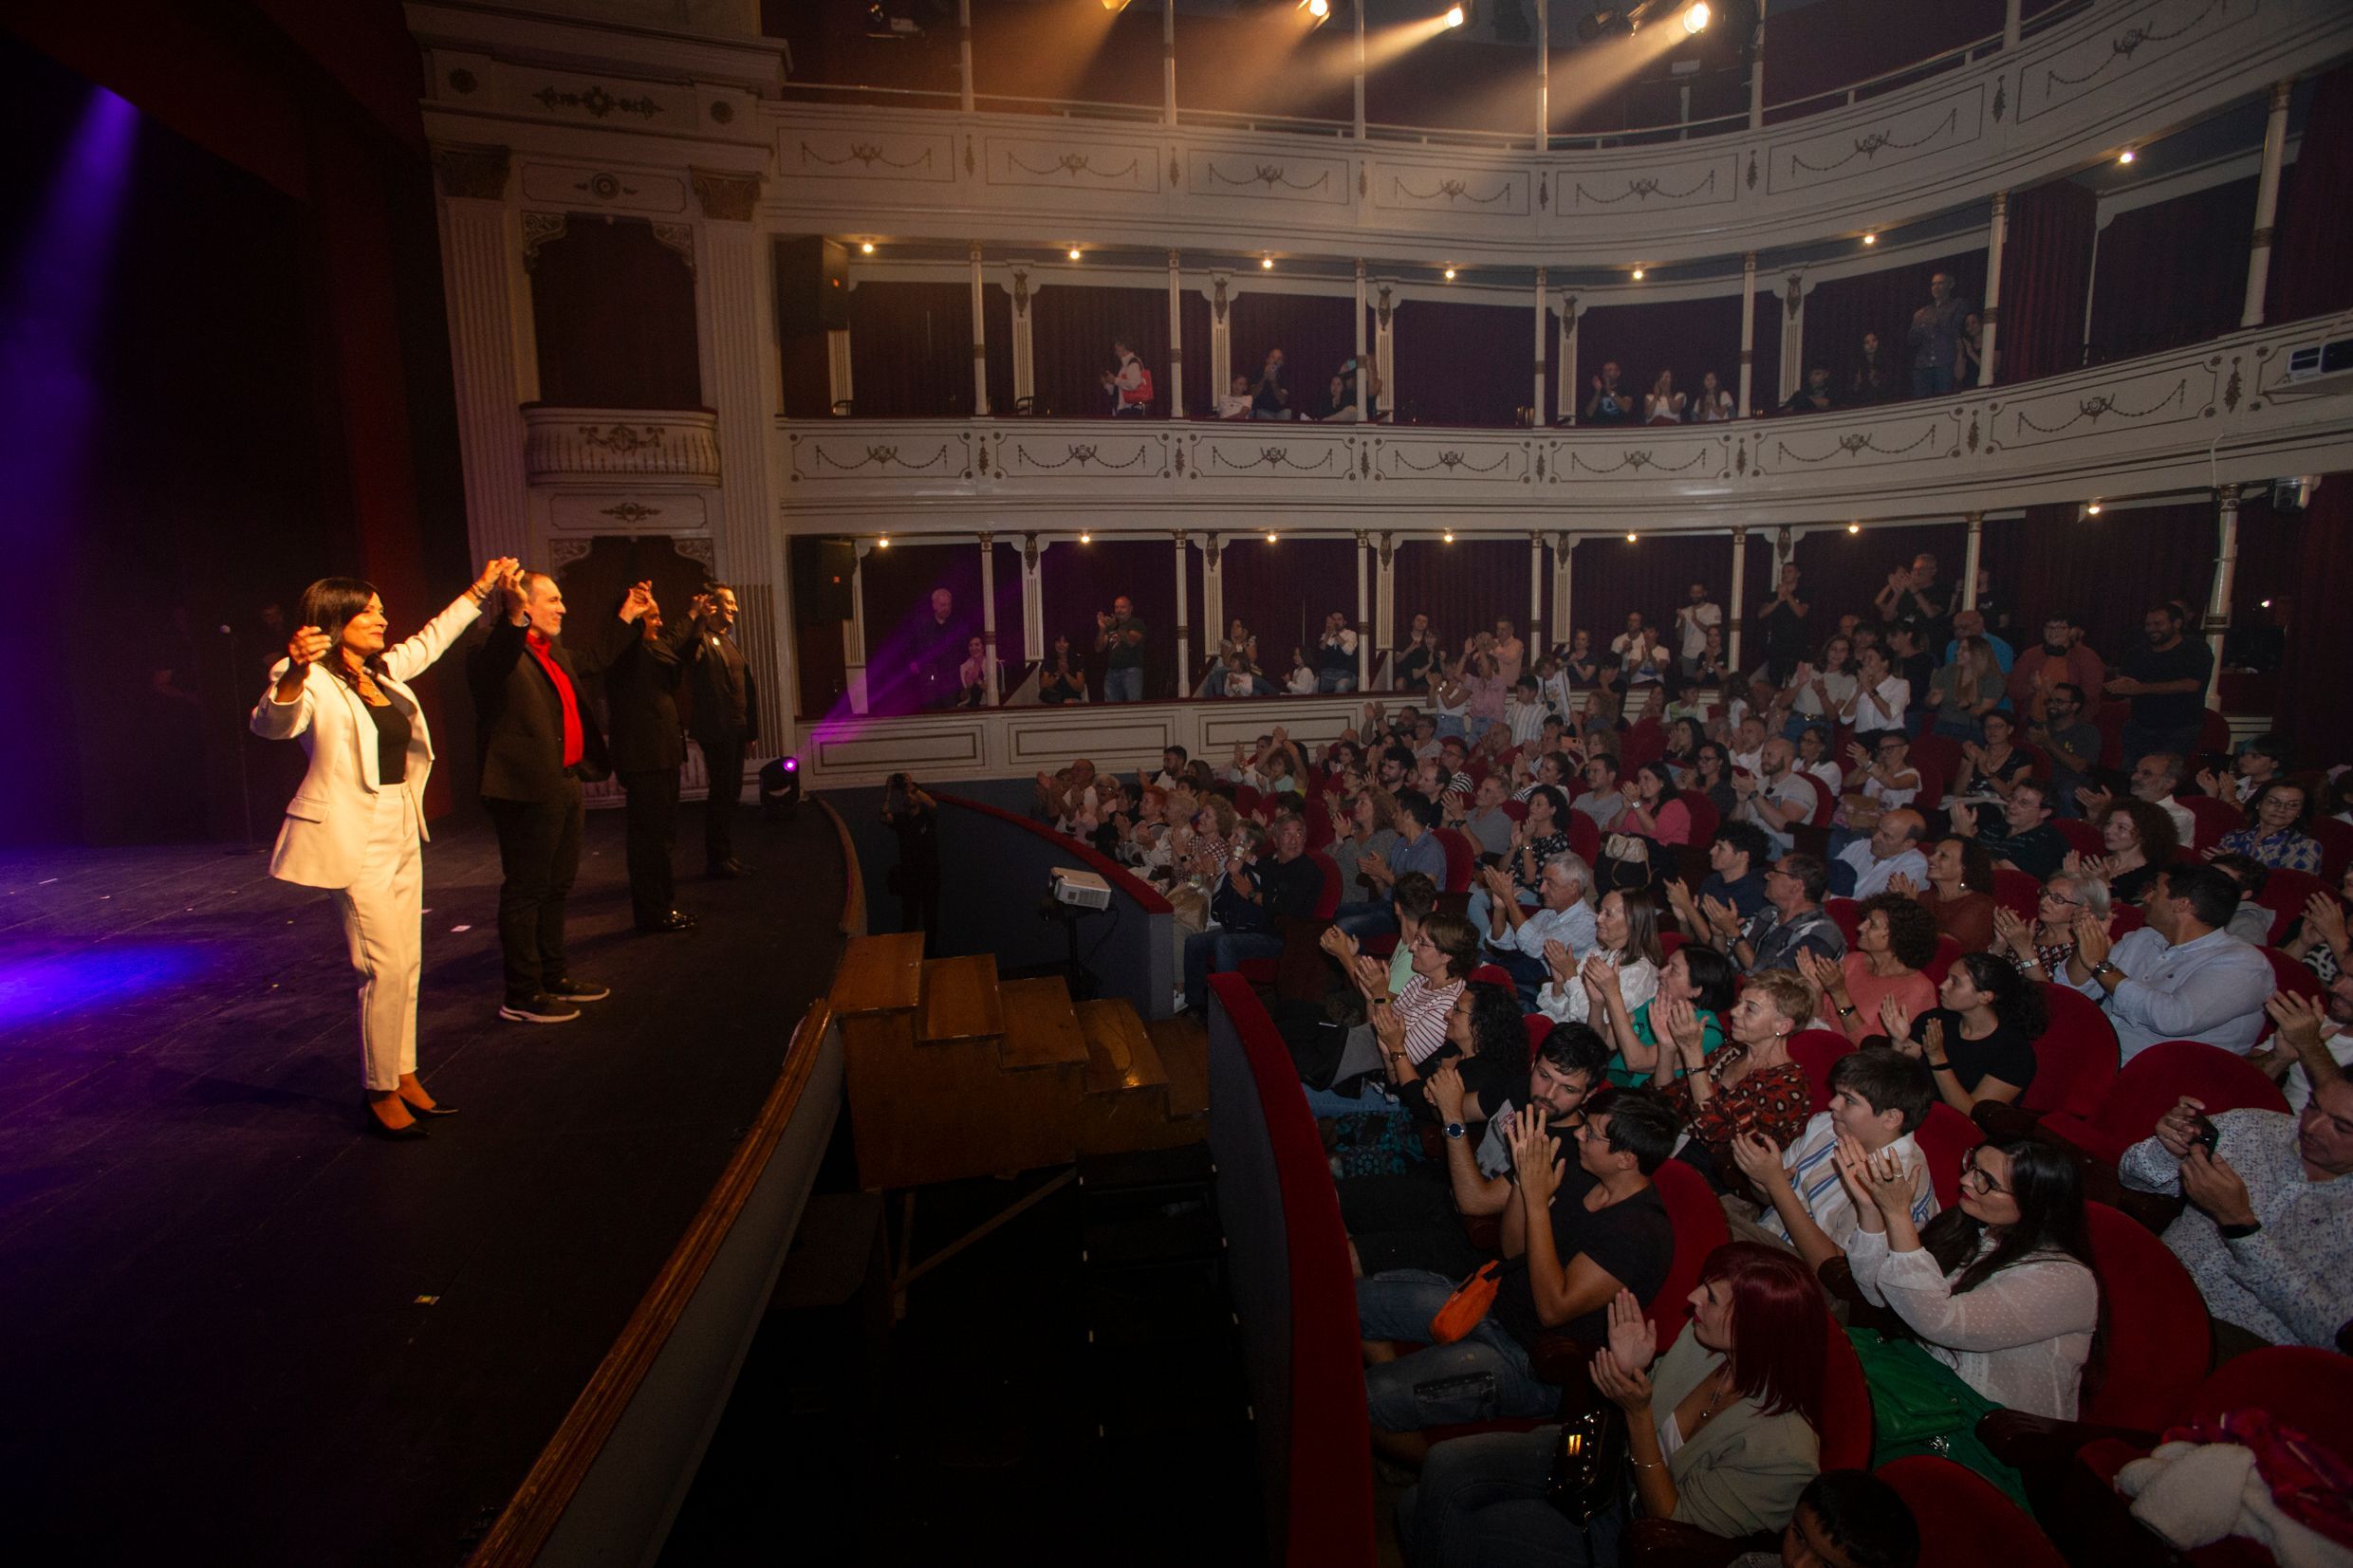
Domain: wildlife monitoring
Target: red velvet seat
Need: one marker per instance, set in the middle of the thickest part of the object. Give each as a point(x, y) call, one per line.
point(1245, 798)
point(1645, 742)
point(1964, 1522)
point(2336, 841)
point(2017, 892)
point(2081, 835)
point(1948, 954)
point(1944, 1136)
point(2285, 894)
point(2210, 819)
point(2159, 1337)
point(1461, 856)
point(1516, 810)
point(1538, 1027)
point(1817, 1051)
point(2108, 718)
point(1846, 913)
point(1704, 818)
point(2125, 918)
point(2213, 736)
point(2149, 1084)
point(1490, 974)
point(1584, 837)
point(1938, 758)
point(2076, 1060)
point(1669, 941)
point(1826, 801)
point(1320, 834)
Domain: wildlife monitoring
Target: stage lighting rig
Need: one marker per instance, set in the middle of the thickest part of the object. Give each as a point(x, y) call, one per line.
point(1614, 20)
point(1457, 15)
point(1317, 12)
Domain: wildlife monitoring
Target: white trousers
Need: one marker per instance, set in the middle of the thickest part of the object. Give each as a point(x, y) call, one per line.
point(383, 922)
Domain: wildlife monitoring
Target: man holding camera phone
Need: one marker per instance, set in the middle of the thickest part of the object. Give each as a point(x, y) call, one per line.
point(1120, 637)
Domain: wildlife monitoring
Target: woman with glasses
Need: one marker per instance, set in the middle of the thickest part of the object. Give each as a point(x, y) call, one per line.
point(1626, 926)
point(2041, 951)
point(2275, 832)
point(1979, 1045)
point(1749, 1086)
point(1999, 1290)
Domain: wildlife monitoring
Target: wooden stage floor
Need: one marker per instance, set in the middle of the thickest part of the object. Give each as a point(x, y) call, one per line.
point(238, 1331)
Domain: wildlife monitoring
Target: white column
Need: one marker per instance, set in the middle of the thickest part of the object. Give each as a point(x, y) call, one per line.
point(988, 617)
point(1033, 596)
point(1363, 610)
point(1168, 64)
point(1175, 331)
point(2014, 19)
point(1384, 601)
point(1535, 591)
point(735, 316)
point(478, 251)
point(1221, 344)
point(839, 389)
point(1385, 350)
point(1564, 622)
point(2267, 203)
point(1025, 365)
point(1969, 560)
point(1747, 333)
point(1543, 77)
point(1359, 68)
point(1536, 416)
point(854, 631)
point(1989, 316)
point(980, 338)
point(1185, 628)
point(1756, 73)
point(1792, 339)
point(1212, 590)
point(1740, 596)
point(1363, 371)
point(964, 55)
point(1564, 377)
point(2226, 571)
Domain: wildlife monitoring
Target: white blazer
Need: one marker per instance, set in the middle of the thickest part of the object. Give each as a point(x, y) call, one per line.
point(326, 823)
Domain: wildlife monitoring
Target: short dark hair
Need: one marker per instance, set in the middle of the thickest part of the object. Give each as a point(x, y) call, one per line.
point(2211, 893)
point(1886, 1080)
point(2271, 745)
point(1454, 937)
point(1182, 755)
point(2249, 872)
point(1811, 871)
point(1416, 895)
point(2072, 690)
point(1413, 804)
point(1641, 1123)
point(1864, 1518)
point(1576, 1049)
point(1402, 756)
point(1749, 839)
point(1911, 929)
point(1711, 975)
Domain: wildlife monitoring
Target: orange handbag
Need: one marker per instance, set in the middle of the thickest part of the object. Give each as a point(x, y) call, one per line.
point(1467, 1304)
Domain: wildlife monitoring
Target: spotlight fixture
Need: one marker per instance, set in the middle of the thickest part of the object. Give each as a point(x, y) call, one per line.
point(1074, 252)
point(2092, 509)
point(1269, 536)
point(1869, 238)
point(1637, 274)
point(1629, 537)
point(1115, 6)
point(1854, 527)
point(1086, 539)
point(1448, 536)
point(780, 789)
point(1457, 16)
point(1450, 274)
point(1266, 263)
point(882, 541)
point(866, 248)
point(1317, 9)
point(2127, 155)
point(2267, 604)
point(1697, 17)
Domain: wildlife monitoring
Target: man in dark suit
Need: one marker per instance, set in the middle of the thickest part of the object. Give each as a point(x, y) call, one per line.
point(538, 739)
point(648, 747)
point(723, 716)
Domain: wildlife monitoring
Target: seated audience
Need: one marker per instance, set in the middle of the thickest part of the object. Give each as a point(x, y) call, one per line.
point(1487, 822)
point(1882, 697)
point(1712, 404)
point(1992, 768)
point(1362, 828)
point(2180, 977)
point(1711, 776)
point(1737, 858)
point(1964, 692)
point(2250, 922)
point(1692, 976)
point(1773, 798)
point(2020, 837)
point(1895, 939)
point(2155, 777)
point(1815, 396)
point(1793, 921)
point(1873, 380)
point(2137, 842)
point(1979, 1045)
point(2058, 659)
point(1878, 1098)
point(1821, 690)
point(1815, 760)
point(1999, 1290)
point(1663, 405)
point(1250, 906)
point(1572, 1240)
point(1882, 781)
point(1517, 936)
point(1844, 1519)
point(1416, 848)
point(2258, 761)
point(1625, 939)
point(1867, 866)
point(1723, 1431)
point(1960, 892)
point(1060, 680)
point(1658, 821)
point(2320, 939)
point(2040, 949)
point(2274, 831)
point(1403, 1028)
point(1487, 1045)
point(1750, 1085)
point(2267, 1234)
point(1610, 403)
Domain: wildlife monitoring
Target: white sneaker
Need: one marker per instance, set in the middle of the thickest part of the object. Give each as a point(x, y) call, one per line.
point(1179, 1005)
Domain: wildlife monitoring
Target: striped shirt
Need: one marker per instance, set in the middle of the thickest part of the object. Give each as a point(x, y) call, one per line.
point(1813, 1176)
point(1424, 1007)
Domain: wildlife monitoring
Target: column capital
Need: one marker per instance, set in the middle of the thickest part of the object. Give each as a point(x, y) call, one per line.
point(1747, 260)
point(1975, 520)
point(1176, 258)
point(988, 541)
point(473, 173)
point(1359, 268)
point(2226, 496)
point(2001, 203)
point(2281, 93)
point(972, 252)
point(728, 196)
point(1540, 280)
point(1182, 539)
point(1740, 533)
point(1030, 552)
point(1388, 546)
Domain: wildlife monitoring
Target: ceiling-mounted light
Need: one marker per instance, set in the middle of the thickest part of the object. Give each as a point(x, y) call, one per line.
point(1697, 17)
point(1448, 536)
point(882, 541)
point(2092, 509)
point(1637, 274)
point(1457, 16)
point(1086, 539)
point(1266, 263)
point(1854, 527)
point(1269, 536)
point(866, 248)
point(1870, 238)
point(1629, 537)
point(1450, 274)
point(1074, 252)
point(2127, 155)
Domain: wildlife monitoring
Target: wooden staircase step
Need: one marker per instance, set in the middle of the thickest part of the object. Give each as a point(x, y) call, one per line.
point(960, 999)
point(1041, 1027)
point(879, 975)
point(1183, 1044)
point(1120, 1055)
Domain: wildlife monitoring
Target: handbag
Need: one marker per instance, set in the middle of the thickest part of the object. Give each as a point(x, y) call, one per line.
point(1591, 1465)
point(1921, 1406)
point(1467, 1304)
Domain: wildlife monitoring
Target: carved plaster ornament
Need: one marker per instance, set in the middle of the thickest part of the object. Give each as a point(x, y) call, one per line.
point(476, 173)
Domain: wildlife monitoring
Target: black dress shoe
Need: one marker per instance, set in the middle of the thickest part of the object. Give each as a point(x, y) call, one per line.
point(439, 1108)
point(671, 920)
point(568, 989)
point(726, 870)
point(375, 1124)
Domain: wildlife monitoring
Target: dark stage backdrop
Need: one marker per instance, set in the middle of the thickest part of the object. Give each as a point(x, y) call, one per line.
point(2172, 272)
point(1689, 337)
point(1841, 311)
point(1316, 333)
point(1460, 363)
point(1464, 587)
point(1654, 574)
point(910, 350)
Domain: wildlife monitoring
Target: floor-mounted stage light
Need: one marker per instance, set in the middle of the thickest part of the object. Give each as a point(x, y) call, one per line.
point(1697, 17)
point(1457, 15)
point(780, 788)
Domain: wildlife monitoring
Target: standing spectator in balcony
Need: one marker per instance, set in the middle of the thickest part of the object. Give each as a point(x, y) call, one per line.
point(1881, 695)
point(1487, 690)
point(1270, 394)
point(1120, 637)
point(2165, 681)
point(1691, 620)
point(1815, 396)
point(1822, 690)
point(973, 675)
point(1510, 652)
point(2058, 659)
point(1235, 404)
point(1912, 597)
point(1873, 380)
point(1412, 660)
point(1335, 656)
point(1782, 622)
point(1130, 386)
point(1663, 405)
point(935, 646)
point(1712, 404)
point(1060, 680)
point(1610, 404)
point(1970, 371)
point(2274, 833)
point(1935, 339)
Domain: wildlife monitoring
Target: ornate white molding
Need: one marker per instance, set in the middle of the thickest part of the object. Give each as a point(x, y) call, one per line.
point(564, 444)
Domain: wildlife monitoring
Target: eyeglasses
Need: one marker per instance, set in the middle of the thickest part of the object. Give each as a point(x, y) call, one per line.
point(2069, 903)
point(1974, 1174)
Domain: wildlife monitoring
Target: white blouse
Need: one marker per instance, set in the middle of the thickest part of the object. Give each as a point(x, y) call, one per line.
point(2020, 1338)
point(1638, 983)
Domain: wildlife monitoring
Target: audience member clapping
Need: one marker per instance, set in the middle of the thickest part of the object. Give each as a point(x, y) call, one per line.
point(1980, 1042)
point(1878, 1098)
point(1625, 939)
point(1895, 939)
point(2182, 976)
point(2275, 832)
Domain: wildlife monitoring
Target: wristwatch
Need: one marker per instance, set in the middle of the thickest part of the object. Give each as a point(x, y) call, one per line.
point(1454, 1130)
point(2238, 1232)
point(2107, 966)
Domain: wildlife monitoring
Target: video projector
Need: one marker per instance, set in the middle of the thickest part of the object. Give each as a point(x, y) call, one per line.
point(1080, 888)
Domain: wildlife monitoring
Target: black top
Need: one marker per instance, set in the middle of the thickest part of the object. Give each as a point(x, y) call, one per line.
point(1496, 1077)
point(1285, 888)
point(2188, 659)
point(392, 743)
point(1632, 1239)
point(518, 730)
point(2005, 1054)
point(2127, 886)
point(2038, 850)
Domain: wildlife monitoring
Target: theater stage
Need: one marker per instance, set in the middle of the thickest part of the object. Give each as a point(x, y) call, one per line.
point(238, 1331)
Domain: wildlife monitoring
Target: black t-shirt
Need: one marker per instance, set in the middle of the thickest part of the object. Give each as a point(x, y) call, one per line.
point(2189, 659)
point(1632, 1239)
point(1285, 887)
point(2005, 1054)
point(2037, 852)
point(1785, 633)
point(1495, 1078)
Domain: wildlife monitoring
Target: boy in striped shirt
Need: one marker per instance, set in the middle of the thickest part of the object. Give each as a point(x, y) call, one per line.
point(1879, 1097)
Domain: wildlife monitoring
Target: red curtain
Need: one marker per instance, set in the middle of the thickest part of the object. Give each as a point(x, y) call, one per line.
point(2172, 272)
point(2046, 276)
point(1814, 48)
point(1841, 311)
point(910, 350)
point(1200, 396)
point(1460, 363)
point(1689, 337)
point(614, 309)
point(1072, 332)
point(1316, 333)
point(2308, 271)
point(1463, 587)
point(2317, 712)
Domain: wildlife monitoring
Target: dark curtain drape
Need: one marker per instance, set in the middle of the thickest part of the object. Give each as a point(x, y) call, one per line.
point(2104, 571)
point(2172, 272)
point(910, 350)
point(1282, 592)
point(1463, 587)
point(1816, 48)
point(1316, 333)
point(2046, 277)
point(2308, 271)
point(614, 310)
point(1841, 310)
point(1200, 396)
point(1460, 363)
point(1689, 337)
point(1071, 333)
point(1654, 575)
point(2316, 712)
point(1838, 572)
point(1081, 580)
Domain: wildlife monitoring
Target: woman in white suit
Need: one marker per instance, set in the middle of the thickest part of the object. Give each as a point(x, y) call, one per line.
point(354, 824)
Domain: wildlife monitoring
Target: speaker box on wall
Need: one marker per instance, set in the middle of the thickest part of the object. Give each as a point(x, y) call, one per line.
point(813, 285)
point(821, 579)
